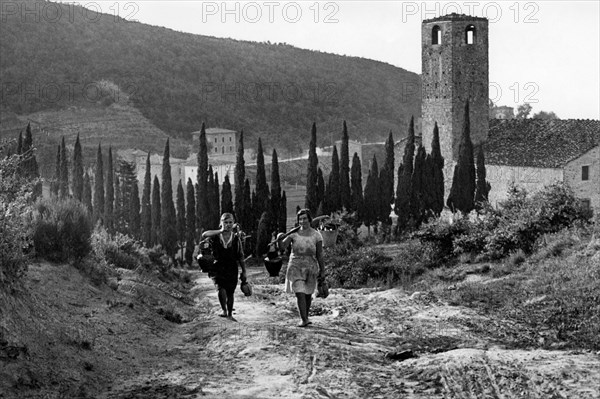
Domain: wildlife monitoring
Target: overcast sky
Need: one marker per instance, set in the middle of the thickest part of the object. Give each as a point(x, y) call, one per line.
point(543, 52)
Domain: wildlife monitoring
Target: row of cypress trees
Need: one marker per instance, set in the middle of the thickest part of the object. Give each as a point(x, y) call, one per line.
point(419, 193)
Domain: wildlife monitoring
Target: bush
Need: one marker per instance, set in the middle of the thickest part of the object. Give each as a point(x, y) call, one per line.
point(517, 225)
point(61, 229)
point(15, 194)
point(355, 269)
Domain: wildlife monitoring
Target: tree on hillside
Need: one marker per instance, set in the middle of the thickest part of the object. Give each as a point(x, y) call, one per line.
point(275, 191)
point(311, 173)
point(190, 220)
point(126, 210)
point(482, 186)
point(167, 210)
point(263, 234)
point(335, 200)
point(77, 170)
point(240, 177)
point(262, 189)
point(402, 205)
point(109, 199)
point(281, 227)
point(99, 187)
point(146, 216)
point(201, 195)
point(386, 184)
point(356, 191)
point(523, 111)
point(63, 187)
point(155, 236)
point(462, 192)
point(20, 143)
point(545, 115)
point(226, 198)
point(180, 221)
point(86, 196)
point(437, 173)
point(345, 191)
point(29, 166)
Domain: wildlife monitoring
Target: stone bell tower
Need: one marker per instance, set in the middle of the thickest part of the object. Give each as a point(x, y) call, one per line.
point(454, 70)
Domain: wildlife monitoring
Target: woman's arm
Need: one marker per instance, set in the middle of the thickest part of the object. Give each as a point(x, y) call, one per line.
point(241, 260)
point(211, 233)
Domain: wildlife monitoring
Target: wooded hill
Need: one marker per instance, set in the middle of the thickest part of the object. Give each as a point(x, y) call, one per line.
point(178, 80)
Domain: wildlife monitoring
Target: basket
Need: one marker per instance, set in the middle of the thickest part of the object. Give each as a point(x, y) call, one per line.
point(246, 288)
point(206, 263)
point(329, 237)
point(273, 266)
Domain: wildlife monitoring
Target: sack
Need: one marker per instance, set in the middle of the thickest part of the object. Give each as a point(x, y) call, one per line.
point(322, 289)
point(246, 288)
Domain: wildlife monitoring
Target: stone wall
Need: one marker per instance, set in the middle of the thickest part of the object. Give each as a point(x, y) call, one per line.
point(586, 189)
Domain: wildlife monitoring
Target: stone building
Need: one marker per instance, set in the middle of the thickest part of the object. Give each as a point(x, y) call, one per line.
point(532, 153)
point(502, 112)
point(222, 143)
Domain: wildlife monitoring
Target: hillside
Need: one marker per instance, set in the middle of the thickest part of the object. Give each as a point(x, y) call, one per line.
point(178, 80)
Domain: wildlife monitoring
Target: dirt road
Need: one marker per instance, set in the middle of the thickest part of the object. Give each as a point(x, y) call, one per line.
point(348, 352)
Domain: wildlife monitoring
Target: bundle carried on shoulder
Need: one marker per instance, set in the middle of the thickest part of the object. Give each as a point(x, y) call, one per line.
point(206, 258)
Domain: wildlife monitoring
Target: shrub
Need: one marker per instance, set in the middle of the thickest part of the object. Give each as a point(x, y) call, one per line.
point(15, 194)
point(61, 229)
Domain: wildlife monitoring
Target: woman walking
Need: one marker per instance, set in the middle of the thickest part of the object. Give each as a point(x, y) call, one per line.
point(305, 265)
point(228, 252)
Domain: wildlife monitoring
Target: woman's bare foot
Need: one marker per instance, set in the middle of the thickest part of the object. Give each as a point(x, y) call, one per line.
point(224, 314)
point(303, 324)
point(231, 318)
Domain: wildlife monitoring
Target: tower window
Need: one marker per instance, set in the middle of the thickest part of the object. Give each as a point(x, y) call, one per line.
point(585, 172)
point(470, 34)
point(436, 35)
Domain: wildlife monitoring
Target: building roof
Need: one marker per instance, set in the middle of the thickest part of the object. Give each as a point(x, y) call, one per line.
point(455, 17)
point(214, 130)
point(540, 143)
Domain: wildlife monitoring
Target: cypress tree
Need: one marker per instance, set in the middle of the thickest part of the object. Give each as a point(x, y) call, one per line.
point(155, 236)
point(226, 199)
point(437, 173)
point(134, 212)
point(109, 200)
point(215, 199)
point(99, 187)
point(387, 188)
point(212, 221)
point(20, 143)
point(402, 206)
point(63, 187)
point(356, 190)
point(123, 206)
point(325, 206)
point(180, 222)
point(417, 201)
point(248, 216)
point(54, 186)
point(202, 193)
point(240, 177)
point(262, 189)
point(311, 174)
point(462, 192)
point(282, 213)
point(370, 214)
point(335, 200)
point(275, 191)
point(483, 187)
point(77, 170)
point(190, 220)
point(263, 234)
point(86, 196)
point(146, 222)
point(320, 191)
point(118, 216)
point(167, 221)
point(30, 165)
point(345, 191)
